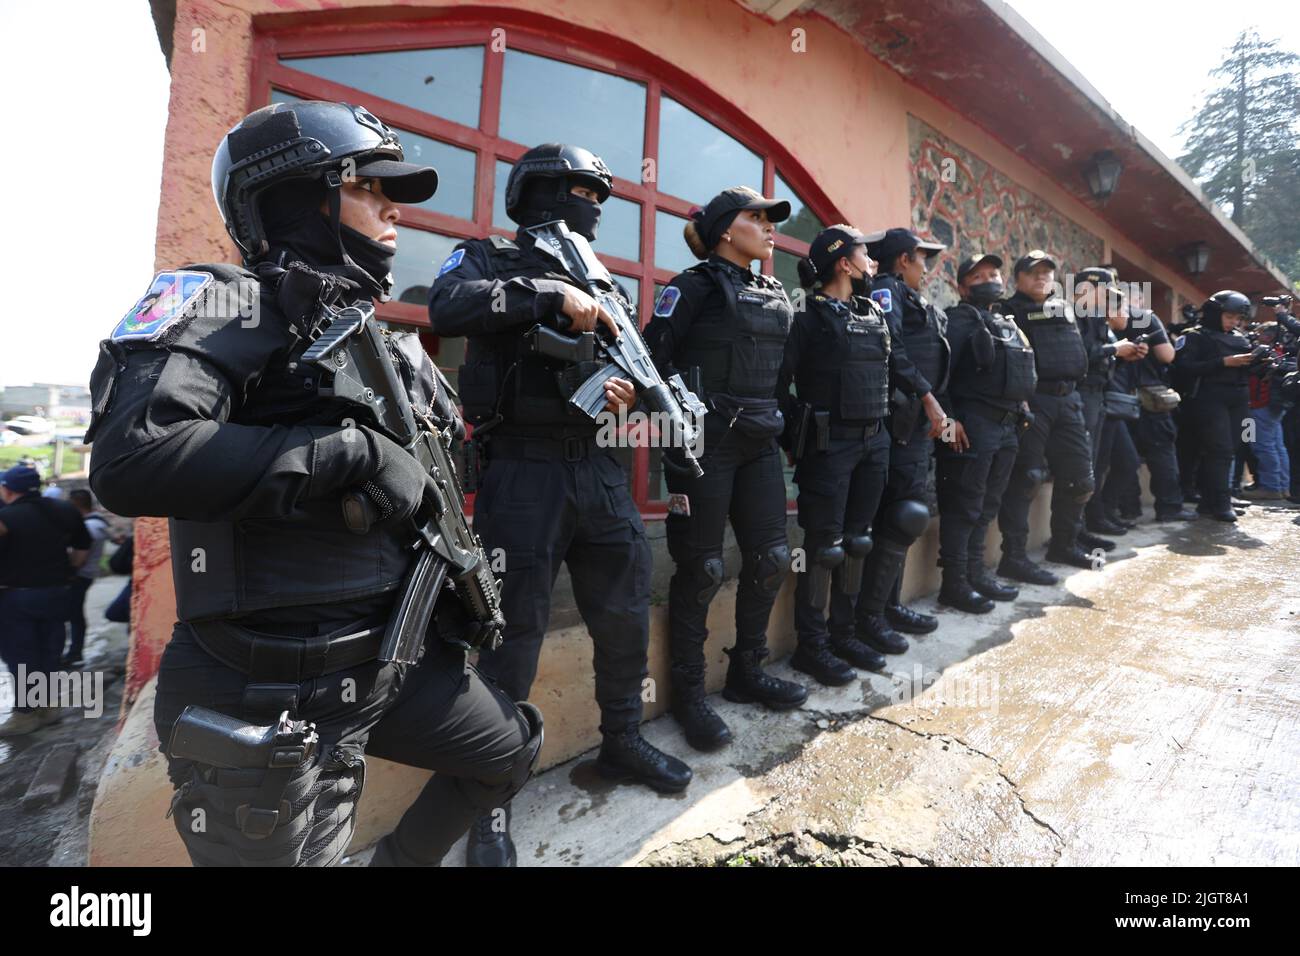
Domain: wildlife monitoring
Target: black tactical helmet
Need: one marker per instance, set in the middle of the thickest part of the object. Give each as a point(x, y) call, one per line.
point(1225, 301)
point(557, 161)
point(286, 141)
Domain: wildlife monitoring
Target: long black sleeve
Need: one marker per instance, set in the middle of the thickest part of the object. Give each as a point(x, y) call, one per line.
point(467, 299)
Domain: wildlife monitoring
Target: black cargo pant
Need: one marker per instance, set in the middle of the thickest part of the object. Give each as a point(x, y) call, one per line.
point(971, 483)
point(1057, 440)
point(1155, 437)
point(743, 482)
point(543, 502)
point(1187, 445)
point(439, 715)
point(839, 491)
point(909, 472)
point(1217, 415)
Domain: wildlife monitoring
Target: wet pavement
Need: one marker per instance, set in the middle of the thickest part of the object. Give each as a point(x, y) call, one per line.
point(56, 835)
point(1144, 713)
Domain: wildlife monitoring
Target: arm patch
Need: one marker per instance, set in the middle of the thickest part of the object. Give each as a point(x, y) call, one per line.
point(883, 298)
point(160, 309)
point(668, 300)
point(451, 262)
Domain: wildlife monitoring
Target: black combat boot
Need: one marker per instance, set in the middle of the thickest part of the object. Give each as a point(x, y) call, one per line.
point(629, 756)
point(989, 586)
point(747, 683)
point(1069, 553)
point(1182, 514)
point(1090, 542)
point(815, 658)
point(903, 618)
point(858, 654)
point(703, 728)
point(1103, 525)
point(958, 593)
point(489, 841)
point(1018, 567)
point(874, 631)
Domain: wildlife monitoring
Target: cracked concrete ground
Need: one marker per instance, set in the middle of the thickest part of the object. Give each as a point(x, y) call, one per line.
point(1145, 713)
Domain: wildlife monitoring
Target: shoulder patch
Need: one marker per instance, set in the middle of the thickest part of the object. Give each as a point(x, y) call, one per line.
point(667, 301)
point(883, 298)
point(162, 307)
point(1180, 342)
point(451, 262)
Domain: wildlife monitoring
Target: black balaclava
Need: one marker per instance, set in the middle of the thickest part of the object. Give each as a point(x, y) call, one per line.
point(984, 294)
point(548, 199)
point(292, 218)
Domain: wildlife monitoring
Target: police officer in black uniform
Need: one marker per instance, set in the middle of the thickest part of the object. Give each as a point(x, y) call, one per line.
point(548, 492)
point(1058, 436)
point(725, 327)
point(1214, 358)
point(992, 380)
point(837, 358)
point(919, 375)
point(1096, 298)
point(204, 413)
point(1154, 433)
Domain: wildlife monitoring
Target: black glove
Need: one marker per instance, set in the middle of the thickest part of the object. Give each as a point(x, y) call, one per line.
point(399, 486)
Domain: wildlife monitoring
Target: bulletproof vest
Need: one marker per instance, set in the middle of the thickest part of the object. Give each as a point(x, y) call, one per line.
point(1054, 336)
point(846, 371)
point(923, 333)
point(501, 375)
point(1223, 344)
point(1012, 376)
point(229, 568)
point(1095, 330)
point(739, 351)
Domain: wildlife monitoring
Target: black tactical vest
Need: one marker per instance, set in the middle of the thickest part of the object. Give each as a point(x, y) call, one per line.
point(924, 333)
point(1054, 336)
point(739, 351)
point(1012, 376)
point(846, 368)
point(500, 373)
point(1095, 331)
point(230, 568)
point(1221, 345)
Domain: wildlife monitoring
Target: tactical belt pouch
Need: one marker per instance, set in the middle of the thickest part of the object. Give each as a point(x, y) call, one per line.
point(751, 417)
point(1122, 406)
point(797, 428)
point(1158, 398)
point(905, 411)
point(822, 423)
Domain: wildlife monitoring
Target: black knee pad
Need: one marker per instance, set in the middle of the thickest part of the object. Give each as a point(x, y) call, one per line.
point(495, 790)
point(1034, 478)
point(828, 555)
point(857, 546)
point(1080, 491)
point(905, 521)
point(768, 567)
point(704, 578)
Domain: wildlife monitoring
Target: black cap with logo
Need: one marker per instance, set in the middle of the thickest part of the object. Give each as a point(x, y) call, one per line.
point(712, 221)
point(1033, 257)
point(835, 242)
point(897, 241)
point(977, 259)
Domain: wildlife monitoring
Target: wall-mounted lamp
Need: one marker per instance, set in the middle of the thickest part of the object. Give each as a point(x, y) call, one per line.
point(1102, 173)
point(1195, 256)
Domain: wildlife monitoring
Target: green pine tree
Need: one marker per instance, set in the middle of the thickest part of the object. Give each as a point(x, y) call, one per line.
point(1242, 145)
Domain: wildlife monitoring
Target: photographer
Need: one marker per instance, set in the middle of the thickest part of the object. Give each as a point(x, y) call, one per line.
point(1273, 477)
point(1283, 307)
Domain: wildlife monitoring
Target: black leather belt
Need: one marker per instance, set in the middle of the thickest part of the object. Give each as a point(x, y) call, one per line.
point(289, 660)
point(853, 432)
point(1054, 388)
point(570, 448)
point(996, 415)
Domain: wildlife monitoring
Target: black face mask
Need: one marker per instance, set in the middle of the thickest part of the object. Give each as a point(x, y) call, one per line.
point(374, 258)
point(986, 293)
point(582, 216)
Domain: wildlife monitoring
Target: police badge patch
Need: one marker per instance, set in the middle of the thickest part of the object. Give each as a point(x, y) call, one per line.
point(169, 296)
point(451, 262)
point(884, 299)
point(667, 301)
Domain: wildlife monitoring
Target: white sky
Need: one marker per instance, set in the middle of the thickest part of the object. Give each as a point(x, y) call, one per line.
point(88, 87)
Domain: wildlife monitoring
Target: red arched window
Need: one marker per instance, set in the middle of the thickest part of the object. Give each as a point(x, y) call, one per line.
point(471, 97)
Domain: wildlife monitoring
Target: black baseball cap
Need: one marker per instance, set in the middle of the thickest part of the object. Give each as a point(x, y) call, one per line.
point(1098, 275)
point(403, 182)
point(712, 221)
point(835, 242)
point(977, 259)
point(21, 479)
point(897, 241)
point(1033, 258)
